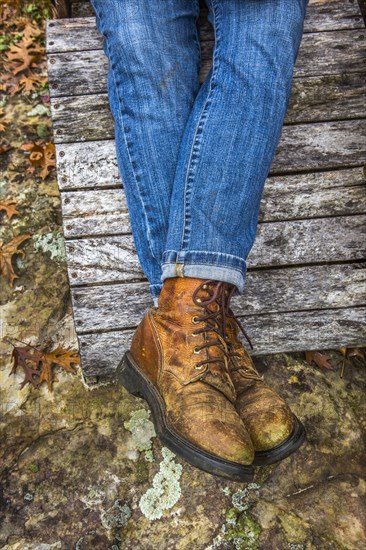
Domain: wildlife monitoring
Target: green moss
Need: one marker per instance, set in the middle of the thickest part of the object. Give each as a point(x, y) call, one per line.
point(33, 467)
point(231, 516)
point(245, 534)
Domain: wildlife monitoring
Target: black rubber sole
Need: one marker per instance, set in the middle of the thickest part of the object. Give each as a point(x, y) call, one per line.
point(134, 380)
point(287, 447)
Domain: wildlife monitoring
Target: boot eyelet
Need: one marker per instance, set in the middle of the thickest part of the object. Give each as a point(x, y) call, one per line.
point(199, 367)
point(195, 320)
point(204, 287)
point(196, 351)
point(194, 333)
point(198, 300)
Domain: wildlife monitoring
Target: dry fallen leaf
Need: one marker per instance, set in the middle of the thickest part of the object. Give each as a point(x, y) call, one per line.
point(40, 156)
point(22, 55)
point(321, 360)
point(7, 251)
point(37, 364)
point(8, 206)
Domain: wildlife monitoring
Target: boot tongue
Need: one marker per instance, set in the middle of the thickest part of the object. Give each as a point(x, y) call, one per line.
point(176, 303)
point(217, 374)
point(176, 297)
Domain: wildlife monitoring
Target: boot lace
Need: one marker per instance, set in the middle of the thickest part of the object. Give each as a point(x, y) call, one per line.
point(216, 321)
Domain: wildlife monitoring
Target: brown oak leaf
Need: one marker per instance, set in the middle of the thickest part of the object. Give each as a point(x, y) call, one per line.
point(24, 54)
point(321, 360)
point(7, 251)
point(38, 365)
point(40, 156)
point(65, 358)
point(30, 82)
point(49, 160)
point(8, 206)
point(28, 358)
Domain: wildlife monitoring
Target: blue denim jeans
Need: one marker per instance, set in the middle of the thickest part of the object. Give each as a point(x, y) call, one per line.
point(194, 158)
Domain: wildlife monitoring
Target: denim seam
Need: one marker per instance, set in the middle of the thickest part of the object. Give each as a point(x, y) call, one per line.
point(209, 252)
point(112, 67)
point(206, 263)
point(196, 141)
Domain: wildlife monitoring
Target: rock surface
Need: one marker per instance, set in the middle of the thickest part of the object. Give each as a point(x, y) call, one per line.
point(82, 468)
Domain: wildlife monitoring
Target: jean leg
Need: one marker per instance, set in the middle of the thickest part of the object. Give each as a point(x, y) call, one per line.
point(231, 137)
point(154, 59)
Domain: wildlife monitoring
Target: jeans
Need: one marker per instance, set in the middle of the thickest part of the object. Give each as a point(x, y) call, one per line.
point(194, 158)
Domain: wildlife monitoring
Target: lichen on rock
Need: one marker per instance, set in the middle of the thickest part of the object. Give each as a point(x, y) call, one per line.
point(142, 430)
point(116, 516)
point(52, 242)
point(166, 491)
point(242, 499)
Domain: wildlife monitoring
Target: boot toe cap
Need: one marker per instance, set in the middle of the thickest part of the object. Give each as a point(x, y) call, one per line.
point(268, 419)
point(224, 436)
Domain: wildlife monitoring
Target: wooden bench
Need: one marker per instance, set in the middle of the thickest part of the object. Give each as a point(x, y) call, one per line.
point(306, 284)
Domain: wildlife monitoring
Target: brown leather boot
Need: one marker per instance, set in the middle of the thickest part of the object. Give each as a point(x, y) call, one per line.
point(274, 430)
point(178, 362)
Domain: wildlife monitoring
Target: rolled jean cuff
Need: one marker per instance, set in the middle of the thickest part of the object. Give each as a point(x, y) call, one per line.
point(155, 292)
point(205, 265)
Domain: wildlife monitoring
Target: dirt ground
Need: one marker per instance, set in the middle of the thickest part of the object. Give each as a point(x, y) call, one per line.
point(80, 465)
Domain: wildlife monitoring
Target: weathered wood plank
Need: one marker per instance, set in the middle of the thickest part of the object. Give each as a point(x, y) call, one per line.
point(323, 145)
point(313, 99)
point(267, 291)
point(113, 258)
point(87, 213)
point(104, 211)
point(310, 147)
point(85, 72)
point(321, 16)
point(270, 333)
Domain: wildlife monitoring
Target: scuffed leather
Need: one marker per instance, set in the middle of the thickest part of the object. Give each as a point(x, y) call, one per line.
point(199, 403)
point(145, 348)
point(267, 417)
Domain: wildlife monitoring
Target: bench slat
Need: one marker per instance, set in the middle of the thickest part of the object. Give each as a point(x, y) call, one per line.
point(113, 258)
point(267, 291)
point(332, 97)
point(270, 333)
point(84, 72)
point(302, 147)
point(101, 211)
point(321, 16)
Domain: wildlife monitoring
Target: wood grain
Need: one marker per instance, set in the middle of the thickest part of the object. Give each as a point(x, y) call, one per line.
point(321, 16)
point(85, 72)
point(267, 291)
point(106, 259)
point(94, 212)
point(313, 99)
point(270, 333)
point(306, 284)
point(302, 147)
